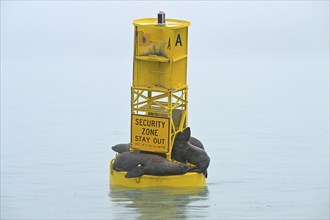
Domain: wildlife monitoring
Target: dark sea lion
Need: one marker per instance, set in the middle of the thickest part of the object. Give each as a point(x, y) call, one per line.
point(138, 164)
point(184, 152)
point(194, 141)
point(121, 148)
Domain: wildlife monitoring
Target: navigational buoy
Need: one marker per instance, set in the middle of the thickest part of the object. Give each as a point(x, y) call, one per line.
point(159, 111)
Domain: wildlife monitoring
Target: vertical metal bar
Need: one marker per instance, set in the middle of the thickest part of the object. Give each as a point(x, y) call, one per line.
point(168, 155)
point(186, 106)
point(149, 102)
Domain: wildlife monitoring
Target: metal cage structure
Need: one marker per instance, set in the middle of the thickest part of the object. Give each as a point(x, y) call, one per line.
point(162, 103)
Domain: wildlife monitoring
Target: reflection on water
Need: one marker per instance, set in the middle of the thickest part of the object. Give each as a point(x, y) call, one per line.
point(164, 203)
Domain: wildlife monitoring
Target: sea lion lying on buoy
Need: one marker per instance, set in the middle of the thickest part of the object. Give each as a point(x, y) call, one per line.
point(121, 148)
point(184, 152)
point(138, 164)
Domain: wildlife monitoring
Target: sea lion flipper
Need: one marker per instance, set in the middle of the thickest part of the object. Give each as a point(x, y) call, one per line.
point(135, 172)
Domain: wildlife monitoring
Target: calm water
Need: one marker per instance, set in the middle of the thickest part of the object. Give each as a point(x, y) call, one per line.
point(262, 114)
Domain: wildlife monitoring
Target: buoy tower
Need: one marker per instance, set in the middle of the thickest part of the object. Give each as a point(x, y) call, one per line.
point(159, 96)
point(159, 103)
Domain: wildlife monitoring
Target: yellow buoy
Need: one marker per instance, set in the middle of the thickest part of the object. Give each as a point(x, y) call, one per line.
point(159, 98)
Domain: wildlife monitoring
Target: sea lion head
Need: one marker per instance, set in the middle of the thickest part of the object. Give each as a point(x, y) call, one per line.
point(184, 135)
point(121, 148)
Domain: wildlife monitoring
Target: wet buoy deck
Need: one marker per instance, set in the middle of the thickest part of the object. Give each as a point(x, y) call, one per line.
point(190, 179)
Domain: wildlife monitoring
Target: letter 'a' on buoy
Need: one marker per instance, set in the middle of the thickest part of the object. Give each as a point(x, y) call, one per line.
point(159, 98)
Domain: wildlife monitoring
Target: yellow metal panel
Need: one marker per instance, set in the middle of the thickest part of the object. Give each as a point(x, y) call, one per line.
point(178, 69)
point(160, 54)
point(180, 43)
point(150, 133)
point(152, 40)
point(148, 73)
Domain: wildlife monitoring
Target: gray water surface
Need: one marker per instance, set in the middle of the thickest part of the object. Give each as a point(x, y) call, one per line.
point(258, 76)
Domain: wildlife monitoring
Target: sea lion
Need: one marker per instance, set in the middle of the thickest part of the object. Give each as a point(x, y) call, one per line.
point(138, 164)
point(121, 148)
point(194, 141)
point(184, 152)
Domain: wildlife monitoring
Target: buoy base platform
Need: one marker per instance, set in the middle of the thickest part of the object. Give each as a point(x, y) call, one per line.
point(190, 179)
